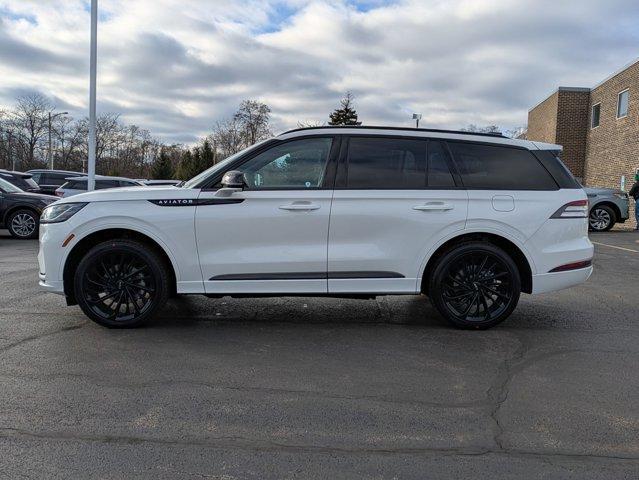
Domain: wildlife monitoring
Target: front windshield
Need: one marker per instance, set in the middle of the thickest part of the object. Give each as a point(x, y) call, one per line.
point(219, 166)
point(7, 187)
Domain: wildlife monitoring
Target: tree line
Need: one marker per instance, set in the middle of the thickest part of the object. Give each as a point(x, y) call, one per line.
point(34, 134)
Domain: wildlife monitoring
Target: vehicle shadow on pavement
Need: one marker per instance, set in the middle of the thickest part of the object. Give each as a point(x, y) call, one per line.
point(404, 310)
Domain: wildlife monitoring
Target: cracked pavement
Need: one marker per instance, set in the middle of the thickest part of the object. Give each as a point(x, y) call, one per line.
point(323, 388)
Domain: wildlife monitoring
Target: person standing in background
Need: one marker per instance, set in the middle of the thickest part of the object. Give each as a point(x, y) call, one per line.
point(634, 193)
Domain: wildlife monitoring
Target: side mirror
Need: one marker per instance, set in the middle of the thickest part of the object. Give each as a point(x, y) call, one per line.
point(233, 179)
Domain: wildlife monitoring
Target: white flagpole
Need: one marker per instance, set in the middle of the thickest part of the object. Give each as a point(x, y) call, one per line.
point(92, 93)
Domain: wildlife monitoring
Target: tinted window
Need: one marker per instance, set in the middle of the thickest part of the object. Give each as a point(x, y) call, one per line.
point(438, 172)
point(30, 183)
point(75, 185)
point(557, 169)
point(101, 184)
point(36, 177)
point(500, 168)
point(386, 163)
point(295, 164)
point(53, 178)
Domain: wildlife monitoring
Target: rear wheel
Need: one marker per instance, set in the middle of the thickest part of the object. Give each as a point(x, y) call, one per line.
point(601, 218)
point(475, 285)
point(23, 224)
point(121, 283)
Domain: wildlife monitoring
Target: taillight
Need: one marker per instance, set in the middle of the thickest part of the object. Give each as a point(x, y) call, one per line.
point(576, 209)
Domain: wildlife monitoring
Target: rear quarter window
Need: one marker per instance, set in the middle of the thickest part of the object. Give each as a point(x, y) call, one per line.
point(557, 168)
point(493, 167)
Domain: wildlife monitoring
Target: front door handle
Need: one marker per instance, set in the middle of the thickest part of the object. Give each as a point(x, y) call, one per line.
point(299, 207)
point(434, 206)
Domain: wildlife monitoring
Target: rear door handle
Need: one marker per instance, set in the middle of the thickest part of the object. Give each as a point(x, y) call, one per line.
point(299, 206)
point(434, 206)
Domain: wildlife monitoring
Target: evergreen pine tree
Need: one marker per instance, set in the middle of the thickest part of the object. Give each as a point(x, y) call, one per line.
point(185, 167)
point(346, 115)
point(207, 155)
point(162, 167)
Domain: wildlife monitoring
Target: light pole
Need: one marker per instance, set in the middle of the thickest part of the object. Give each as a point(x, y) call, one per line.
point(92, 93)
point(51, 117)
point(417, 117)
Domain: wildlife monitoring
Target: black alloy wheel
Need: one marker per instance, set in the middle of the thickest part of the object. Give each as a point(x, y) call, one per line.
point(475, 285)
point(121, 283)
point(601, 218)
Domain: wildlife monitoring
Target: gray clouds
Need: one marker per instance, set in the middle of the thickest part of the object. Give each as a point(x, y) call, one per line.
point(177, 66)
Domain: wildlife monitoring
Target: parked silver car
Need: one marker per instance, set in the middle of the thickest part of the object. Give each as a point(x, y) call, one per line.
point(75, 185)
point(607, 207)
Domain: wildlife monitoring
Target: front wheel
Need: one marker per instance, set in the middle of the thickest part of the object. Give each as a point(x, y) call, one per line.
point(601, 218)
point(475, 285)
point(121, 283)
point(23, 224)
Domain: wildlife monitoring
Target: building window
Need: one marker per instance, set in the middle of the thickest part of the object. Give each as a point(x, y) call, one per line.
point(622, 103)
point(596, 115)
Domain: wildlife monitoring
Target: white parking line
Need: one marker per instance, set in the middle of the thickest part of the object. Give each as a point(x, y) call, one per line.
point(615, 246)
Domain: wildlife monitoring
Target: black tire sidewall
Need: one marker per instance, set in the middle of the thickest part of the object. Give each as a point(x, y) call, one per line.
point(35, 218)
point(610, 211)
point(435, 292)
point(158, 269)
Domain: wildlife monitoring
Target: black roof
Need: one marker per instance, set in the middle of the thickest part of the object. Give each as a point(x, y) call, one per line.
point(15, 174)
point(372, 127)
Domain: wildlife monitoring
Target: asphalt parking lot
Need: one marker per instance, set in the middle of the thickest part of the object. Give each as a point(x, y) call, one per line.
point(323, 388)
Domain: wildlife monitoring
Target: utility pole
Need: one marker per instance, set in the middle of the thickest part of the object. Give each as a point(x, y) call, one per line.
point(92, 93)
point(50, 152)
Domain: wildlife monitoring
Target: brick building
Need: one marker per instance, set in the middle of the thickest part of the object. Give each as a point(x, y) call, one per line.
point(598, 128)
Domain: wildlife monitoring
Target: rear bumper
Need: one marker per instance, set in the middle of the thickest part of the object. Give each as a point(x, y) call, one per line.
point(549, 282)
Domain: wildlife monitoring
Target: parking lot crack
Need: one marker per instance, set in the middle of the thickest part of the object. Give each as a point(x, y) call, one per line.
point(498, 392)
point(32, 338)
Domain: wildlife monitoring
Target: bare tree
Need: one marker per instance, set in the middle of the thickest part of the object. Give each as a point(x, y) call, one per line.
point(310, 123)
point(478, 129)
point(228, 137)
point(30, 119)
point(253, 117)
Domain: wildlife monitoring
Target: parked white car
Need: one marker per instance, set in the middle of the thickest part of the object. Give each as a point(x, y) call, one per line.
point(76, 185)
point(469, 220)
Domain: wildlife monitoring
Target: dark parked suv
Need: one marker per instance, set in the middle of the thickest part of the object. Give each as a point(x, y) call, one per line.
point(50, 180)
point(23, 181)
point(20, 211)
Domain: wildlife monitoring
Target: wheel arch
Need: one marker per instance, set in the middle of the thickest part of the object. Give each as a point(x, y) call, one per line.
point(515, 252)
point(17, 207)
point(86, 243)
point(611, 205)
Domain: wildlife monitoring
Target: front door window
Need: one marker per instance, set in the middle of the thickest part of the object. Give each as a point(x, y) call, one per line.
point(299, 164)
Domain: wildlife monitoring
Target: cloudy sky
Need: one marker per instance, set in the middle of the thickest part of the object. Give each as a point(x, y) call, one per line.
point(177, 66)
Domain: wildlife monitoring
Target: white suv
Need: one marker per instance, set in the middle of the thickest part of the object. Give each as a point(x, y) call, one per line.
point(469, 220)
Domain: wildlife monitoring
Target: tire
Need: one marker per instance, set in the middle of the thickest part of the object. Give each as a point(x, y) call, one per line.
point(475, 285)
point(23, 224)
point(601, 218)
point(121, 283)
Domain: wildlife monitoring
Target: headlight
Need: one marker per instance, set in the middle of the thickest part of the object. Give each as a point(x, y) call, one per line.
point(623, 196)
point(60, 213)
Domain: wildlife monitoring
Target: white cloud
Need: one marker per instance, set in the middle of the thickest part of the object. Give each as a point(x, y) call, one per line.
point(177, 66)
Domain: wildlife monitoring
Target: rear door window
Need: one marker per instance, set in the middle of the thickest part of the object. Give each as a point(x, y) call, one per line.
point(493, 167)
point(439, 175)
point(386, 163)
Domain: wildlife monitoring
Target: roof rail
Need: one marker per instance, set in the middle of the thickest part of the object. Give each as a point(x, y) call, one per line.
point(370, 127)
